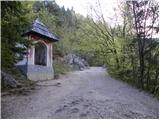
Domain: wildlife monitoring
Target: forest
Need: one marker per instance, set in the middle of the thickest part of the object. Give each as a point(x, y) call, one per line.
point(129, 49)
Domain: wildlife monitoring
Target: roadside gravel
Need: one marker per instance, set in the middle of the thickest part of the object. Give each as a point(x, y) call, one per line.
point(82, 94)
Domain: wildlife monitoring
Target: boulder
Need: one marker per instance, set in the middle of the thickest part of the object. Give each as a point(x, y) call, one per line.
point(8, 81)
point(76, 61)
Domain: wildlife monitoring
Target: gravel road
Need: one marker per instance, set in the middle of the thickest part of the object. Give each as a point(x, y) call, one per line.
point(82, 94)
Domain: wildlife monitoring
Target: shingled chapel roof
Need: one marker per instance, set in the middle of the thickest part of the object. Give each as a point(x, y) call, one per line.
point(40, 29)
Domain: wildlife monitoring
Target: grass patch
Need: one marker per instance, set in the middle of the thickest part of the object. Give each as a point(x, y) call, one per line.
point(61, 69)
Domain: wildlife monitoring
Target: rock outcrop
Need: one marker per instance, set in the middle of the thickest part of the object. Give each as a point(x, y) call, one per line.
point(8, 81)
point(76, 62)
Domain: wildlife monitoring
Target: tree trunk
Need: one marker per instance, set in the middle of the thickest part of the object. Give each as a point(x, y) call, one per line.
point(148, 71)
point(133, 70)
point(141, 59)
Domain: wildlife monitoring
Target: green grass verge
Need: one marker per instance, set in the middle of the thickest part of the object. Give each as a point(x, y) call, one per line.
point(61, 69)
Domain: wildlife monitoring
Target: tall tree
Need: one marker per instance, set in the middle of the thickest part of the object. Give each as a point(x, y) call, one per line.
point(13, 22)
point(145, 17)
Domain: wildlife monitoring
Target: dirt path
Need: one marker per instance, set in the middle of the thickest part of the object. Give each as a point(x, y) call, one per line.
point(83, 94)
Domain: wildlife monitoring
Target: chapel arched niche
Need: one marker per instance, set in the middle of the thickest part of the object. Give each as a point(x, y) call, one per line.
point(40, 54)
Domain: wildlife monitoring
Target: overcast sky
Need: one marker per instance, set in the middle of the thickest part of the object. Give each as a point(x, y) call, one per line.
point(82, 6)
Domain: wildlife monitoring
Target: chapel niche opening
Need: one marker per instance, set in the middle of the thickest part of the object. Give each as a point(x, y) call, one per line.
point(40, 54)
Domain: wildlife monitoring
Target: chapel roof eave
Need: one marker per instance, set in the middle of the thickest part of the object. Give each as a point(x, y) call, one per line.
point(41, 30)
point(31, 32)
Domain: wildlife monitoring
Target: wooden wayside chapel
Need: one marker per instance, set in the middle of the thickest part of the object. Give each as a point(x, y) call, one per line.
point(37, 65)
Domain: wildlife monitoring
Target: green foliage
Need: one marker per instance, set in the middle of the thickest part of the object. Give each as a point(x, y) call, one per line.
point(43, 14)
point(87, 44)
point(13, 22)
point(94, 40)
point(73, 30)
point(60, 69)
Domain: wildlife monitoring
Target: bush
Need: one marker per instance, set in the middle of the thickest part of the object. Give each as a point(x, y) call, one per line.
point(60, 69)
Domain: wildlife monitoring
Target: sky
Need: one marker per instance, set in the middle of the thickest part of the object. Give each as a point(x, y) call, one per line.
point(80, 6)
point(83, 7)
